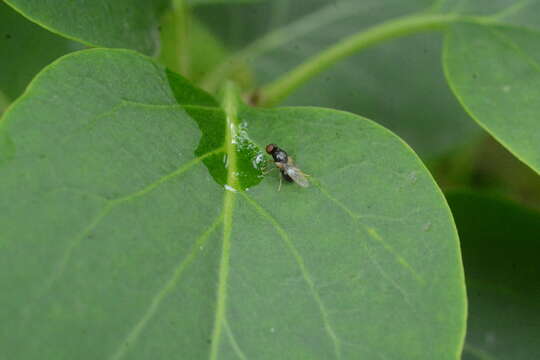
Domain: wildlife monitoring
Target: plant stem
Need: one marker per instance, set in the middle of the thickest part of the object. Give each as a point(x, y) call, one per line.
point(277, 90)
point(175, 39)
point(182, 28)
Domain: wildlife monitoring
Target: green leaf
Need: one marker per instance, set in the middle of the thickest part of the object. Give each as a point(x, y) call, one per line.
point(494, 70)
point(500, 245)
point(129, 24)
point(25, 48)
point(137, 225)
point(399, 84)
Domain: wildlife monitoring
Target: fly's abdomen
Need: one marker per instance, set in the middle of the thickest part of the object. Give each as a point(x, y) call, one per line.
point(286, 176)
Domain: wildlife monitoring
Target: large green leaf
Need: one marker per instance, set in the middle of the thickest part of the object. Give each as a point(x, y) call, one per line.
point(136, 224)
point(494, 70)
point(399, 84)
point(25, 48)
point(500, 245)
point(120, 23)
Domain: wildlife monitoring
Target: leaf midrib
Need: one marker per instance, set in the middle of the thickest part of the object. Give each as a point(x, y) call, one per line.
point(230, 107)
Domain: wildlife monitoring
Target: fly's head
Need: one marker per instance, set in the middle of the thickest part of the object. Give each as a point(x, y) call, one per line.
point(279, 155)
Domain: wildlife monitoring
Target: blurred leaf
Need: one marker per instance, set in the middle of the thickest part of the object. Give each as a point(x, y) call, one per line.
point(494, 70)
point(500, 246)
point(129, 24)
point(135, 249)
point(25, 48)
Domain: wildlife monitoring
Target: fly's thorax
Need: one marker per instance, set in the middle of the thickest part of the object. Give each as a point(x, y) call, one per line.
point(280, 156)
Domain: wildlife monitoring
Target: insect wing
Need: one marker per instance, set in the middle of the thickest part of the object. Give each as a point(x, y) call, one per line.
point(297, 175)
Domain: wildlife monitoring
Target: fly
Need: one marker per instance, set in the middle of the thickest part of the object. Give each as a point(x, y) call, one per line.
point(286, 166)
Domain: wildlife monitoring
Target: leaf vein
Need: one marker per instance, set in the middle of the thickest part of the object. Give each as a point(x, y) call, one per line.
point(171, 106)
point(392, 282)
point(372, 232)
point(59, 269)
point(91, 122)
point(512, 44)
point(133, 334)
point(233, 341)
point(305, 273)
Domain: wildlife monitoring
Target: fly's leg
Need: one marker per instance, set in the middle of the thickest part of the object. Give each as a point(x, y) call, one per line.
point(266, 172)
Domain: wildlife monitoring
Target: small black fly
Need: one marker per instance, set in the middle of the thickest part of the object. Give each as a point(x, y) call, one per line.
point(286, 166)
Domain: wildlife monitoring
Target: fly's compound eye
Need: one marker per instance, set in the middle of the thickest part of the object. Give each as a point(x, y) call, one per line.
point(270, 148)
